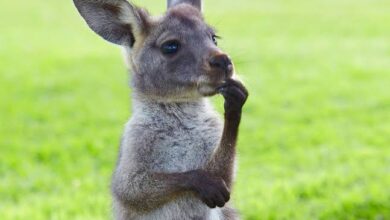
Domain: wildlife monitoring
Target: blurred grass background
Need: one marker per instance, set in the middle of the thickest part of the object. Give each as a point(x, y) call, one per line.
point(314, 140)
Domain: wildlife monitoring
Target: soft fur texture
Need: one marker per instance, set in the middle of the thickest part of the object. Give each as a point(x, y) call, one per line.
point(176, 159)
point(166, 138)
point(196, 3)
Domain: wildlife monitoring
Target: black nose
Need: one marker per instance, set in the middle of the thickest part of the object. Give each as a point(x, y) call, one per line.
point(221, 61)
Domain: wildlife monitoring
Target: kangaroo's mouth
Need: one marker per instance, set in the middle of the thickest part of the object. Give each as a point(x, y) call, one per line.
point(208, 85)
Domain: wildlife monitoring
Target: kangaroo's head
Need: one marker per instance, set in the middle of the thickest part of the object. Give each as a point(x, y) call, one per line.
point(173, 57)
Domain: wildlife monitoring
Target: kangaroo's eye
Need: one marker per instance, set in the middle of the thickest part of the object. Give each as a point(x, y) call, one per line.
point(170, 47)
point(215, 37)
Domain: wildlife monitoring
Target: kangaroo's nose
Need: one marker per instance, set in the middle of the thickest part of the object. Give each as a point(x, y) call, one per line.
point(221, 61)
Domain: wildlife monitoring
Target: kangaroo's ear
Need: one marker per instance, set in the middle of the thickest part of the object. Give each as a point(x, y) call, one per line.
point(196, 3)
point(117, 21)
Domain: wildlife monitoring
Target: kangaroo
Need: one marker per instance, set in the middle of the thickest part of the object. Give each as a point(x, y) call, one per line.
point(177, 158)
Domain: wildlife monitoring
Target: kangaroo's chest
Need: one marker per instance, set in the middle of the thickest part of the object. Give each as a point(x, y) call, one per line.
point(187, 145)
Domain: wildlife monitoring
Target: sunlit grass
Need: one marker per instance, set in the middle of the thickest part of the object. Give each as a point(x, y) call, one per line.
point(314, 140)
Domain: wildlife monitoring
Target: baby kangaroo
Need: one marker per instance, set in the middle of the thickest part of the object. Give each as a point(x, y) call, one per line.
point(176, 159)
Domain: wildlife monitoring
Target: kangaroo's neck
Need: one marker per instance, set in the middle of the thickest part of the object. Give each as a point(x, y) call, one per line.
point(186, 111)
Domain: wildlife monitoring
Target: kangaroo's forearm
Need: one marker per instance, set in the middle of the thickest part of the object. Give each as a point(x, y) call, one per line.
point(148, 191)
point(222, 162)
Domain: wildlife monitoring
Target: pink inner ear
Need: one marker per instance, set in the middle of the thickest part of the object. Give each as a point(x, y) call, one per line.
point(196, 3)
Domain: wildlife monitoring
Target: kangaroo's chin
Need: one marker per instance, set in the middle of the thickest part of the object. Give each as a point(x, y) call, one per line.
point(209, 89)
point(208, 84)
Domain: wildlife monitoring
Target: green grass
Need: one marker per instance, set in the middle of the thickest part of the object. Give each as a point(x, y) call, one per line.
point(314, 140)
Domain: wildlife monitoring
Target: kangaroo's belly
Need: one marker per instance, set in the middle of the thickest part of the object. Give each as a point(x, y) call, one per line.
point(181, 150)
point(175, 146)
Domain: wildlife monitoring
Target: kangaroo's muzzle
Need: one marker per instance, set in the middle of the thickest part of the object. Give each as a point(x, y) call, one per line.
point(222, 62)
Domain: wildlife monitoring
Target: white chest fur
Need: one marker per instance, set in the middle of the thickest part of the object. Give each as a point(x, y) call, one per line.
point(178, 137)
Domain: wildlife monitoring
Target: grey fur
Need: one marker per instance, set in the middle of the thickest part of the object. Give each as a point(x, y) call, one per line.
point(196, 3)
point(164, 138)
point(176, 157)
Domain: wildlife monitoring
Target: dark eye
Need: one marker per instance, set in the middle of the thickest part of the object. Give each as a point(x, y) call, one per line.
point(170, 47)
point(215, 37)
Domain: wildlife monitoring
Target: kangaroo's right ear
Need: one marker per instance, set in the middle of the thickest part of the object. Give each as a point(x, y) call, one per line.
point(116, 21)
point(195, 3)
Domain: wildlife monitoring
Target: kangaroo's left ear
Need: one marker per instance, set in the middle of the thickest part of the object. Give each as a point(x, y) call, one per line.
point(117, 21)
point(195, 3)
